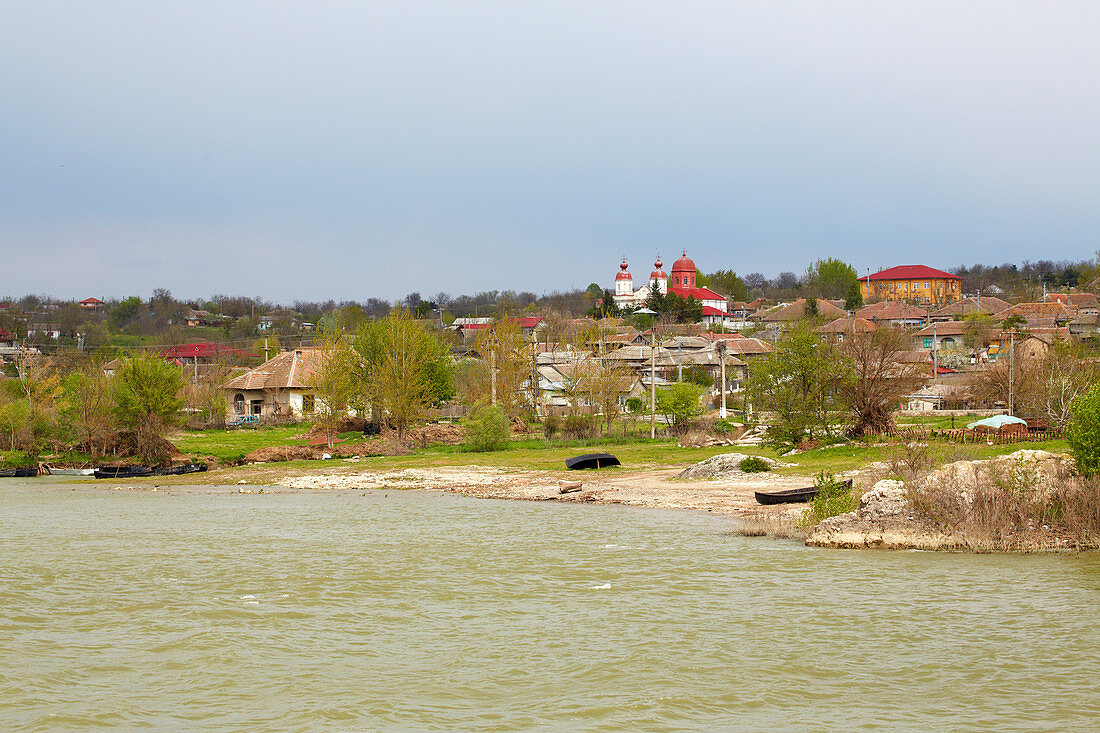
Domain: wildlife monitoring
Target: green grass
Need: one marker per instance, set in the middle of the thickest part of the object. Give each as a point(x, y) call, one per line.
point(232, 445)
point(938, 421)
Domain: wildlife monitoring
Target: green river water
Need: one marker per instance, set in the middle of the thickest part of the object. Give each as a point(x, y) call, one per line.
point(217, 611)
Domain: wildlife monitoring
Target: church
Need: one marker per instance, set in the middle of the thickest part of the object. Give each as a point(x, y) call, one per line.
point(681, 282)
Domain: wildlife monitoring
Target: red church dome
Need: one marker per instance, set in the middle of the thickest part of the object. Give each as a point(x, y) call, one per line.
point(683, 272)
point(623, 274)
point(658, 273)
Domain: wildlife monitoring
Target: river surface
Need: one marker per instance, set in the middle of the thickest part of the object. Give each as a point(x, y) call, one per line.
point(218, 611)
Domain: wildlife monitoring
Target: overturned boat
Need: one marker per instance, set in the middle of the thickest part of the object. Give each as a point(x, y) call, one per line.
point(591, 460)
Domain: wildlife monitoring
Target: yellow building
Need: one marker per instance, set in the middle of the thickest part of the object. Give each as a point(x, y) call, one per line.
point(916, 283)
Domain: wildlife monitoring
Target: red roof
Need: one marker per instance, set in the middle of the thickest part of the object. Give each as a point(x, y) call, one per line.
point(684, 264)
point(201, 350)
point(92, 300)
point(698, 293)
point(529, 321)
point(909, 272)
point(709, 311)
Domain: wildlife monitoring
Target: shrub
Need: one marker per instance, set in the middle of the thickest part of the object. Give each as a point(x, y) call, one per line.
point(753, 464)
point(487, 430)
point(550, 426)
point(680, 404)
point(724, 427)
point(1083, 432)
point(578, 426)
point(635, 405)
point(833, 498)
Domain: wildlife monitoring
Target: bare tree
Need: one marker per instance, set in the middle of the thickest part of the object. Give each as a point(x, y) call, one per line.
point(878, 379)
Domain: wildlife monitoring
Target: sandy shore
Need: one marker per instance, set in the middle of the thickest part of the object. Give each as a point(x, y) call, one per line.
point(645, 488)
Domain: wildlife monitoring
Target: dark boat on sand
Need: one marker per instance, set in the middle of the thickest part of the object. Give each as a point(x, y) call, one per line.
point(591, 460)
point(123, 471)
point(19, 472)
point(180, 469)
point(791, 496)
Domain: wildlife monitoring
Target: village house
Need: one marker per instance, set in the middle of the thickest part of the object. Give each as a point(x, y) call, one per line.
point(1040, 315)
point(837, 330)
point(944, 336)
point(990, 305)
point(91, 304)
point(916, 283)
point(280, 387)
point(894, 313)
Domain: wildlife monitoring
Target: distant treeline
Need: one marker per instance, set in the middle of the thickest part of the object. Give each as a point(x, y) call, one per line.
point(163, 319)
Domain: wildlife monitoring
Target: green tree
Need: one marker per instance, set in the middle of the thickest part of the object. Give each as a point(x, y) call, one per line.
point(88, 406)
point(334, 383)
point(487, 429)
point(403, 368)
point(829, 279)
point(126, 312)
point(1083, 432)
point(680, 404)
point(147, 395)
point(728, 284)
point(853, 299)
point(798, 384)
point(605, 307)
point(978, 329)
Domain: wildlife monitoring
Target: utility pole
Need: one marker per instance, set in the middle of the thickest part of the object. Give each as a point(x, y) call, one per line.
point(679, 359)
point(493, 365)
point(536, 393)
point(935, 354)
point(720, 347)
point(1011, 366)
point(653, 385)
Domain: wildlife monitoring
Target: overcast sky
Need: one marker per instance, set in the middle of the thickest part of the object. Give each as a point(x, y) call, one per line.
point(312, 150)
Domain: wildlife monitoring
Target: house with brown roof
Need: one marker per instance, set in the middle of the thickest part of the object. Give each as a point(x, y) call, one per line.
point(280, 387)
point(988, 304)
point(1040, 314)
point(836, 331)
point(894, 313)
point(796, 311)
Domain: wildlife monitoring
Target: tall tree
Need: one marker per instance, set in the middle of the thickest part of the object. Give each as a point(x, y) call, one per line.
point(334, 384)
point(829, 279)
point(403, 368)
point(728, 284)
point(879, 377)
point(799, 384)
point(148, 398)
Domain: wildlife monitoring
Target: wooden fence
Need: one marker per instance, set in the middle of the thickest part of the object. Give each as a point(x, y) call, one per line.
point(963, 435)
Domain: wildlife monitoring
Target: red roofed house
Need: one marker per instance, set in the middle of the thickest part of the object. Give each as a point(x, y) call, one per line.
point(203, 353)
point(91, 304)
point(916, 283)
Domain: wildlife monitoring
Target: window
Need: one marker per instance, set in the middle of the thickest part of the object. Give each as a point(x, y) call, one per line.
point(926, 286)
point(238, 404)
point(928, 342)
point(308, 404)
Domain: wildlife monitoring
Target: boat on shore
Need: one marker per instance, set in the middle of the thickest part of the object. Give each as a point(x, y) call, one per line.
point(18, 472)
point(122, 471)
point(791, 496)
point(180, 470)
point(56, 471)
point(591, 460)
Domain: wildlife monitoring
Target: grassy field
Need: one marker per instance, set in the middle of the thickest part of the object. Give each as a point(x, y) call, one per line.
point(233, 445)
point(538, 454)
point(938, 421)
